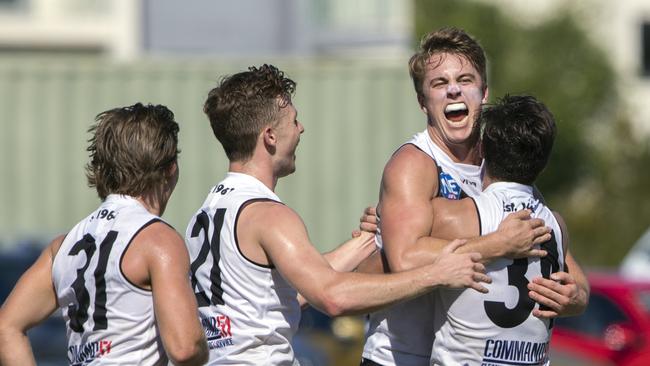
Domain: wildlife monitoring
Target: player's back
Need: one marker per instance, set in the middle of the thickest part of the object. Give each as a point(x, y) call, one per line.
point(498, 327)
point(248, 311)
point(109, 319)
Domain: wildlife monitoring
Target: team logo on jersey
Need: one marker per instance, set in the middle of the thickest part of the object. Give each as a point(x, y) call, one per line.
point(499, 352)
point(449, 188)
point(217, 331)
point(83, 354)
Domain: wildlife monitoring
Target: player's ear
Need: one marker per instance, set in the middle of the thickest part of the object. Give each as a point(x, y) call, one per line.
point(421, 103)
point(269, 138)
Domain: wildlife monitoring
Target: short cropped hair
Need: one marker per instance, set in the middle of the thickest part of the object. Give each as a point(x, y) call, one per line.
point(517, 138)
point(131, 149)
point(243, 104)
point(446, 40)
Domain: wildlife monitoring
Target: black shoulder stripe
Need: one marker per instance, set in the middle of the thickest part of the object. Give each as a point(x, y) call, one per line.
point(241, 208)
point(126, 248)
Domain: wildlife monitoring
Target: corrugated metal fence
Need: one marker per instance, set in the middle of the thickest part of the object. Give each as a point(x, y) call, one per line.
point(355, 112)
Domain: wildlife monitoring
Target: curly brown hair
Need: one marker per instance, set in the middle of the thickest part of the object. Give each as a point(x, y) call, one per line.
point(446, 40)
point(131, 149)
point(244, 103)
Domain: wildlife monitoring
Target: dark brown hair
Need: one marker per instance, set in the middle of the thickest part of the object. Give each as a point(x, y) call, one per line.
point(244, 103)
point(131, 149)
point(517, 137)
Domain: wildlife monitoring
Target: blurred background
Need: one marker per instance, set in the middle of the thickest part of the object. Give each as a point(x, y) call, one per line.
point(63, 62)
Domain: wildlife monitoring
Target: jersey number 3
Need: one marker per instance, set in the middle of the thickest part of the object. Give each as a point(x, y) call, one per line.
point(505, 317)
point(79, 314)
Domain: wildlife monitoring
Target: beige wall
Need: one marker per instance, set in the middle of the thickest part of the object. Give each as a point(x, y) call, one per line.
point(355, 114)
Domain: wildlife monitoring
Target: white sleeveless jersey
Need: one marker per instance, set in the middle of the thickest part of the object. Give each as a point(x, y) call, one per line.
point(248, 311)
point(498, 328)
point(109, 320)
point(403, 333)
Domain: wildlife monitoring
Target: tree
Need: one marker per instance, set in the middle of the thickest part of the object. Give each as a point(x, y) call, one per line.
point(556, 62)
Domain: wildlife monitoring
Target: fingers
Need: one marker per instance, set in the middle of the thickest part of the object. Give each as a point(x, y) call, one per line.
point(370, 211)
point(455, 244)
point(545, 314)
point(519, 215)
point(356, 233)
point(479, 267)
point(481, 277)
point(536, 223)
point(537, 253)
point(563, 277)
point(478, 287)
point(368, 227)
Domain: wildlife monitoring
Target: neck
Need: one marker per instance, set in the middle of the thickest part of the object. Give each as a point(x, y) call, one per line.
point(487, 180)
point(260, 171)
point(154, 205)
point(465, 152)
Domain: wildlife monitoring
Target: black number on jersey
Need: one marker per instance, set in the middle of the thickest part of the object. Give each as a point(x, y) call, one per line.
point(209, 245)
point(510, 318)
point(79, 314)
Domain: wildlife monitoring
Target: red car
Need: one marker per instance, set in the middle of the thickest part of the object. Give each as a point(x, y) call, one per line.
point(614, 330)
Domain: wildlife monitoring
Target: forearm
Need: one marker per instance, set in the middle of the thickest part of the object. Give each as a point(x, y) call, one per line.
point(15, 349)
point(347, 256)
point(490, 246)
point(362, 293)
point(582, 298)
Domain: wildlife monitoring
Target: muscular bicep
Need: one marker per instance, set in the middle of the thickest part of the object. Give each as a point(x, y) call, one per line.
point(167, 263)
point(283, 237)
point(408, 184)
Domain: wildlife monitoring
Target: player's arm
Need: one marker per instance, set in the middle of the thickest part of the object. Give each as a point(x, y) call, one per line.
point(347, 256)
point(284, 239)
point(31, 301)
point(167, 262)
point(516, 237)
point(409, 182)
point(566, 293)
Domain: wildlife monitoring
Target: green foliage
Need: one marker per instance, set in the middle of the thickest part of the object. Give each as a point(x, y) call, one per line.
point(597, 186)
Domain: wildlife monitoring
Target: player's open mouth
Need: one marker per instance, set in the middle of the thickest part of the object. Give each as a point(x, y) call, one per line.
point(456, 112)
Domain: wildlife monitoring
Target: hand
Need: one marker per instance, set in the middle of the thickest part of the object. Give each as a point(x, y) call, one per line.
point(460, 270)
point(521, 234)
point(368, 220)
point(561, 295)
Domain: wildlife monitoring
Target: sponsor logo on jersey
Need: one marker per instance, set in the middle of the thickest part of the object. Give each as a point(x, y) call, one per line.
point(532, 204)
point(217, 331)
point(511, 352)
point(83, 354)
point(469, 182)
point(449, 188)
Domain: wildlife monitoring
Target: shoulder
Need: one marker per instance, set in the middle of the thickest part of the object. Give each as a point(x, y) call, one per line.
point(411, 166)
point(409, 156)
point(267, 214)
point(159, 240)
point(53, 247)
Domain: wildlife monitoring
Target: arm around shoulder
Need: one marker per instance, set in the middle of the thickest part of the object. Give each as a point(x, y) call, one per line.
point(175, 306)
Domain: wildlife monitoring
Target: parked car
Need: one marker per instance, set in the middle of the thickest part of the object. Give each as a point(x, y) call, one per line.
point(614, 329)
point(636, 264)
